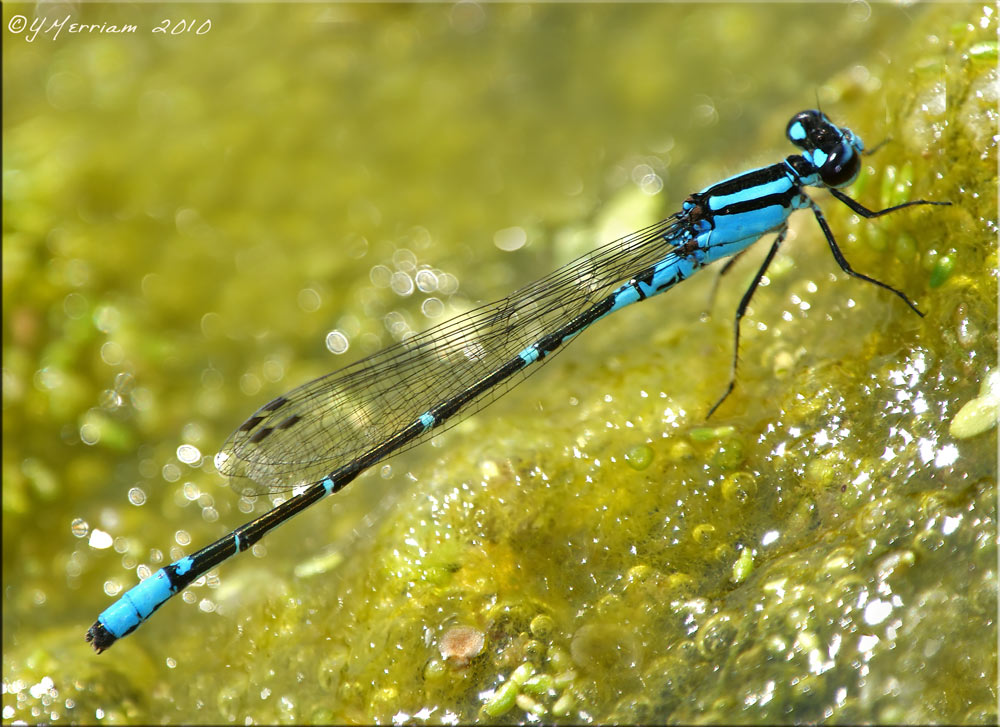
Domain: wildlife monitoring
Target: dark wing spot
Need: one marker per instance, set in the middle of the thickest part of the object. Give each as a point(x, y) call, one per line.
point(290, 421)
point(276, 404)
point(260, 435)
point(250, 423)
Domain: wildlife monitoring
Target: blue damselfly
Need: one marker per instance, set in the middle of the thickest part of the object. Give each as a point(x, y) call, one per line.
point(317, 438)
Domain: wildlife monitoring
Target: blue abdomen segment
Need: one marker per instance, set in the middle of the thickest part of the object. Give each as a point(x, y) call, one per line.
point(660, 277)
point(137, 604)
point(529, 355)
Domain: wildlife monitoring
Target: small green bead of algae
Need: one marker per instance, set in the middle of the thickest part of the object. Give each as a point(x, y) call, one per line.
point(980, 414)
point(542, 626)
point(743, 566)
point(711, 434)
point(729, 454)
point(505, 696)
point(984, 51)
point(520, 675)
point(559, 659)
point(563, 705)
point(539, 684)
point(564, 679)
point(942, 270)
point(639, 457)
point(527, 704)
point(503, 699)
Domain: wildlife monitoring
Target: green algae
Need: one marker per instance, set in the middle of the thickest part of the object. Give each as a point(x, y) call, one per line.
point(610, 587)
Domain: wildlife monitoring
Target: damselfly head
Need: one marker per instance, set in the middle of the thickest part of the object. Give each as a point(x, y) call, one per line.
point(833, 150)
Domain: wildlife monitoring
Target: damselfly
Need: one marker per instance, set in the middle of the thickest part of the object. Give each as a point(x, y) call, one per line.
point(319, 437)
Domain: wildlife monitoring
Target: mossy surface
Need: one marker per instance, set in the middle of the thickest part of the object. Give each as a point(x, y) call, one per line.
point(186, 218)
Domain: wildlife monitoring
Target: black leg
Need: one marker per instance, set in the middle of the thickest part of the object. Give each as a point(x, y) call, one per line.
point(867, 213)
point(743, 309)
point(732, 261)
point(839, 256)
point(722, 271)
point(869, 152)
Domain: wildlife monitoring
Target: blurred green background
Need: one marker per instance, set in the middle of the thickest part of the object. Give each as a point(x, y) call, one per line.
point(188, 216)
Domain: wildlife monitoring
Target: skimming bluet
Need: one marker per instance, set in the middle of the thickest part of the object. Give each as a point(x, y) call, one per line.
point(317, 438)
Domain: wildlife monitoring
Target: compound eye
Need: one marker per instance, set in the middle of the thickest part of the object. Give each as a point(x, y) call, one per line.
point(802, 128)
point(840, 168)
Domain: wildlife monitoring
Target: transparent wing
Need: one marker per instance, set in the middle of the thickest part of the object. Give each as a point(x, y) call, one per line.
point(302, 436)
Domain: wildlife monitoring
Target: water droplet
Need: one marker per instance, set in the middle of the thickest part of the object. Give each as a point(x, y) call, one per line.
point(432, 308)
point(188, 454)
point(337, 342)
point(79, 527)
